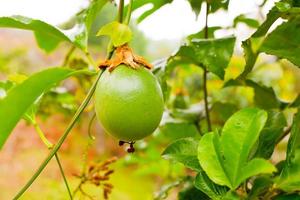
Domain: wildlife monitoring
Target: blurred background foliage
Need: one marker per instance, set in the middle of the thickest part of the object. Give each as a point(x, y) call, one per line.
point(144, 174)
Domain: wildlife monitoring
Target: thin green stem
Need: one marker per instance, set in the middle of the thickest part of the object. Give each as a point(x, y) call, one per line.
point(120, 12)
point(63, 175)
point(62, 138)
point(90, 127)
point(128, 14)
point(41, 134)
point(205, 74)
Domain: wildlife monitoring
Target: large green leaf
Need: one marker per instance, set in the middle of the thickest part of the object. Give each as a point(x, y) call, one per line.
point(43, 31)
point(49, 36)
point(289, 179)
point(184, 151)
point(270, 134)
point(225, 158)
point(277, 43)
point(19, 99)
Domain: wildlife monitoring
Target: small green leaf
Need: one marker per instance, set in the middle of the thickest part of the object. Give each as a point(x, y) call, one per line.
point(19, 99)
point(214, 54)
point(214, 191)
point(154, 6)
point(201, 34)
point(261, 93)
point(270, 135)
point(248, 21)
point(183, 151)
point(119, 33)
point(177, 130)
point(225, 158)
point(196, 5)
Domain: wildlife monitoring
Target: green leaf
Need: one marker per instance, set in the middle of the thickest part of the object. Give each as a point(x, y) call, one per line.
point(214, 191)
point(177, 130)
point(215, 54)
point(119, 33)
point(248, 21)
point(261, 93)
point(251, 52)
point(192, 193)
point(294, 196)
point(196, 5)
point(225, 158)
point(201, 34)
point(48, 36)
point(44, 32)
point(277, 43)
point(155, 5)
point(21, 97)
point(183, 151)
point(270, 135)
point(261, 185)
point(90, 13)
point(272, 16)
point(289, 179)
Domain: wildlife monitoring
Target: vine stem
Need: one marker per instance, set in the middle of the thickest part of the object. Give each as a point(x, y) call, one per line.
point(205, 73)
point(62, 138)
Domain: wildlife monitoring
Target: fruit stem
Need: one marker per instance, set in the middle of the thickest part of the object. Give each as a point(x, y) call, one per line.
point(121, 9)
point(128, 14)
point(205, 73)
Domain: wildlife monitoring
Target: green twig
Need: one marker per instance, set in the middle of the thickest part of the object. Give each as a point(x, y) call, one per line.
point(42, 136)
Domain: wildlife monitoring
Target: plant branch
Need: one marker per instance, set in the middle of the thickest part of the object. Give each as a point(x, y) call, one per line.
point(205, 73)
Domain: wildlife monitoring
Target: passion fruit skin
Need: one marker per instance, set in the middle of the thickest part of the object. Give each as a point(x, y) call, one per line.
point(129, 102)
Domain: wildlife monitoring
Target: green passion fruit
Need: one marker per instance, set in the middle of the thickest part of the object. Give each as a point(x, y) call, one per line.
point(129, 102)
